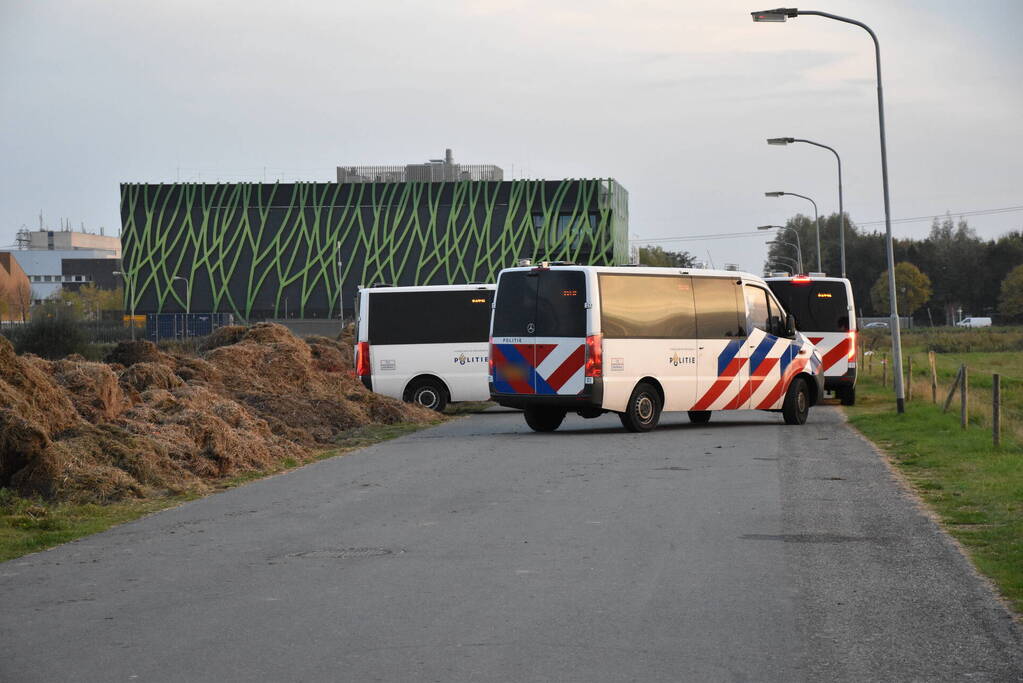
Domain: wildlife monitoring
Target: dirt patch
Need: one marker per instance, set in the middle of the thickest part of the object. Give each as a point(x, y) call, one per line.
point(146, 421)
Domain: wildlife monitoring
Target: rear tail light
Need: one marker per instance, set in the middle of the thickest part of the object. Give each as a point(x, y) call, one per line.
point(852, 345)
point(594, 356)
point(362, 366)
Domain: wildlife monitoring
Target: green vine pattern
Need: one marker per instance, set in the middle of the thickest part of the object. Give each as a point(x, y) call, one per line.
point(225, 244)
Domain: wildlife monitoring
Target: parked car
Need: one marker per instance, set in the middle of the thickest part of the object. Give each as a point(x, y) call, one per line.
point(974, 322)
point(877, 324)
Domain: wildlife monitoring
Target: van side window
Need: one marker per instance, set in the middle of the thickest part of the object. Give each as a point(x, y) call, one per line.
point(647, 307)
point(429, 317)
point(758, 307)
point(720, 312)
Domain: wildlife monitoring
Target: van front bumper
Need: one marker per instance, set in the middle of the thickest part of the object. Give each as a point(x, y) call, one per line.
point(592, 395)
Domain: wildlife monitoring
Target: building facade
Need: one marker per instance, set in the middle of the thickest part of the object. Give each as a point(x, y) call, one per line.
point(301, 250)
point(48, 274)
point(15, 290)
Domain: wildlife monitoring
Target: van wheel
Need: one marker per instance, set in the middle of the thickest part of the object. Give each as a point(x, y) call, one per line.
point(644, 409)
point(544, 419)
point(699, 417)
point(847, 397)
point(797, 403)
point(428, 393)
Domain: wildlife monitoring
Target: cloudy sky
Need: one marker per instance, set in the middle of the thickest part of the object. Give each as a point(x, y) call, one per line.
point(673, 98)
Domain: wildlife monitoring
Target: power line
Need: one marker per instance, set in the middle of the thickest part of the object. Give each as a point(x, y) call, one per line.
point(914, 219)
point(955, 214)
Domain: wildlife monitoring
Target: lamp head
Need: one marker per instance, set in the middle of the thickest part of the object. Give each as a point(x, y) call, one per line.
point(780, 141)
point(774, 194)
point(767, 227)
point(774, 15)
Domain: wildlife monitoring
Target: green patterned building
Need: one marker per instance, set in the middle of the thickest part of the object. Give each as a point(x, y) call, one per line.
point(269, 250)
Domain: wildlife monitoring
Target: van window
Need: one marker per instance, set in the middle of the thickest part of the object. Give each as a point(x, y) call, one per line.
point(759, 308)
point(647, 307)
point(720, 312)
point(429, 317)
point(816, 306)
point(552, 301)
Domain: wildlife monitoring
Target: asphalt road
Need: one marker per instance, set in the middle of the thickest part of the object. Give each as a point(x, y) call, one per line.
point(479, 551)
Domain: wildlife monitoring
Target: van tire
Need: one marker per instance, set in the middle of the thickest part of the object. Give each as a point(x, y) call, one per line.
point(644, 409)
point(699, 417)
point(797, 402)
point(542, 419)
point(429, 393)
point(847, 397)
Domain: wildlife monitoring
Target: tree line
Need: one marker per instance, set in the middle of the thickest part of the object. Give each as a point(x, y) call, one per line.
point(950, 273)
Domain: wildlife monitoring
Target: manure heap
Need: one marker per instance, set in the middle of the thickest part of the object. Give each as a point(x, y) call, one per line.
point(147, 422)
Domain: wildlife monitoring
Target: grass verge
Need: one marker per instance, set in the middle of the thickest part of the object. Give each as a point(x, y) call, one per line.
point(29, 525)
point(975, 489)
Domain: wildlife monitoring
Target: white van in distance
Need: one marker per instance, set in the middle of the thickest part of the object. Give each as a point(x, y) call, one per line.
point(974, 322)
point(824, 311)
point(636, 341)
point(426, 345)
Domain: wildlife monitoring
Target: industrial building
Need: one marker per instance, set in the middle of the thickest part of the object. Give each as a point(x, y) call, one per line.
point(15, 290)
point(54, 259)
point(263, 251)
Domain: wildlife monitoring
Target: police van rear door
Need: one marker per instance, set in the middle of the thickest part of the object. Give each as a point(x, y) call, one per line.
point(540, 332)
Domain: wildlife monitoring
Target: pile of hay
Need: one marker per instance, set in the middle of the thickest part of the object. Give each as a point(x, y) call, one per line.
point(148, 422)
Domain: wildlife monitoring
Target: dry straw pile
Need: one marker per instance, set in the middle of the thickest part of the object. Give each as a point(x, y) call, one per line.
point(147, 422)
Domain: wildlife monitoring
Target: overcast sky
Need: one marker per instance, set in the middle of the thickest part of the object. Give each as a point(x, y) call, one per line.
point(673, 98)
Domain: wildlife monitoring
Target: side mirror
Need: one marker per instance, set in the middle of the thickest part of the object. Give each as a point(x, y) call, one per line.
point(790, 326)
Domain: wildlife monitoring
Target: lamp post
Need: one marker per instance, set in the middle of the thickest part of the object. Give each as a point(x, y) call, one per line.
point(188, 303)
point(799, 246)
point(785, 261)
point(841, 208)
point(781, 14)
point(816, 217)
point(791, 244)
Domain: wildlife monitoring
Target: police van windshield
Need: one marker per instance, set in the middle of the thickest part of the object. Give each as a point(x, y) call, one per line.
point(817, 306)
point(429, 317)
point(541, 303)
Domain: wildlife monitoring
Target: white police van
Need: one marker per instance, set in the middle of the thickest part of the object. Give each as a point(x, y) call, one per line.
point(824, 311)
point(636, 341)
point(426, 345)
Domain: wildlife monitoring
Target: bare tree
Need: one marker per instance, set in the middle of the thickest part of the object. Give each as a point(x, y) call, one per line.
point(21, 301)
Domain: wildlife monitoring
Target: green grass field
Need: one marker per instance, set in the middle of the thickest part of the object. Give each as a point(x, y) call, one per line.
point(975, 488)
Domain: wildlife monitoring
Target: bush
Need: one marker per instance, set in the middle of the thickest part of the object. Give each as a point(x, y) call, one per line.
point(51, 338)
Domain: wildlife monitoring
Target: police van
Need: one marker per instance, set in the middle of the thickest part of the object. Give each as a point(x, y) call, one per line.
point(824, 312)
point(636, 341)
point(426, 345)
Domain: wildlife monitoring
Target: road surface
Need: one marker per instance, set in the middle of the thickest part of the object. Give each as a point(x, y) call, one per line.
point(741, 550)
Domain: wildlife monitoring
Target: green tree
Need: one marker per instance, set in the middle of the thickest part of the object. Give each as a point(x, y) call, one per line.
point(1010, 303)
point(658, 257)
point(912, 287)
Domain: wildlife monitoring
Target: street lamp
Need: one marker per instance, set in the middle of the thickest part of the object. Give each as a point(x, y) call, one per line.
point(188, 298)
point(781, 14)
point(816, 217)
point(791, 244)
point(841, 208)
point(799, 246)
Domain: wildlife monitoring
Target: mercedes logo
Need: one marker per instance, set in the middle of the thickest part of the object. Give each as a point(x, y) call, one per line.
point(531, 328)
